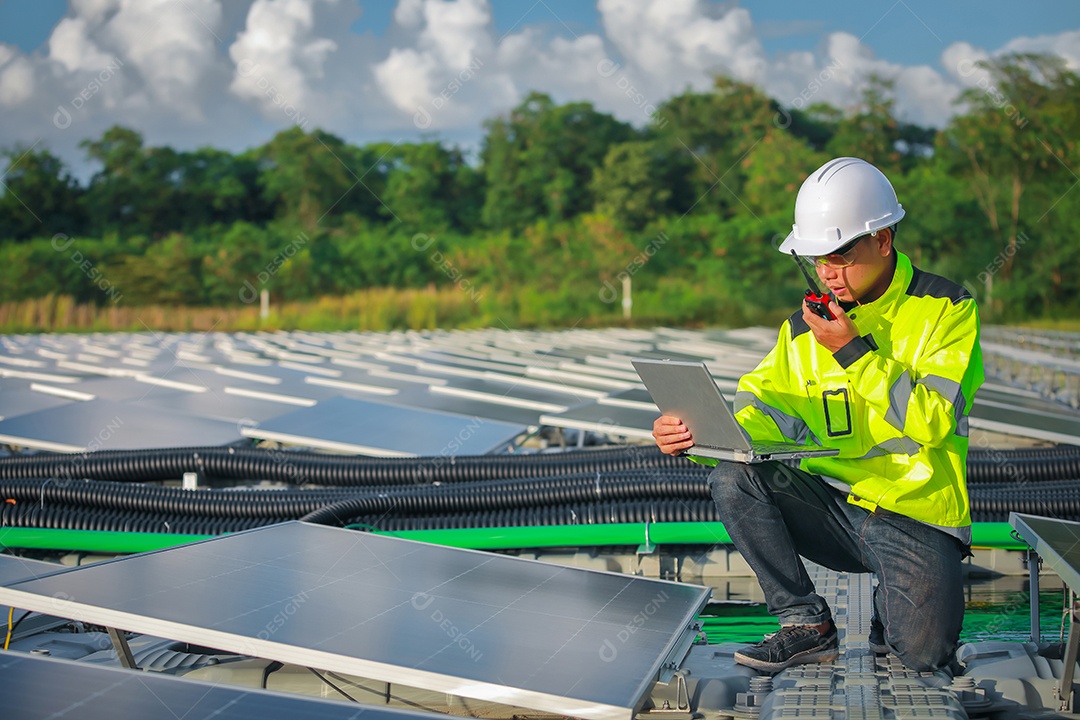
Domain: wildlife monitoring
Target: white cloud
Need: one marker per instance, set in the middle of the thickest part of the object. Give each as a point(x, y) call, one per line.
point(959, 61)
point(171, 45)
point(71, 45)
point(678, 42)
point(199, 72)
point(924, 96)
point(670, 45)
point(279, 58)
point(451, 42)
point(16, 80)
point(406, 77)
point(165, 51)
point(409, 13)
point(94, 11)
point(1066, 44)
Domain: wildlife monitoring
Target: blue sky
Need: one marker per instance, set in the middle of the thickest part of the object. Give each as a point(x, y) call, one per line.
point(231, 73)
point(903, 32)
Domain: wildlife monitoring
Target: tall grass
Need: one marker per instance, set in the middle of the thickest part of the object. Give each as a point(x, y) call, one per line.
point(383, 309)
point(376, 309)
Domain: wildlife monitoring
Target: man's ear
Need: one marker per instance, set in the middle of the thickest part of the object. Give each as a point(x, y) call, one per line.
point(884, 240)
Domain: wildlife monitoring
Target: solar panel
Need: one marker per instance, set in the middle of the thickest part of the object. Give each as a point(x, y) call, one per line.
point(1002, 417)
point(223, 406)
point(572, 378)
point(635, 422)
point(104, 424)
point(500, 390)
point(372, 428)
point(1056, 541)
point(37, 687)
point(123, 389)
point(15, 569)
point(15, 400)
point(502, 408)
point(578, 642)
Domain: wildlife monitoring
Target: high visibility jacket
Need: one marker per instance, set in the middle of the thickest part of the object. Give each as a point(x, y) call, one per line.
point(894, 401)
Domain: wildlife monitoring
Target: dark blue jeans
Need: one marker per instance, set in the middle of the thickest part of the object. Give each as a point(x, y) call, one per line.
point(775, 513)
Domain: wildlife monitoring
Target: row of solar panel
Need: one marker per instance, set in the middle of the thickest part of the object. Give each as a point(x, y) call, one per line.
point(389, 394)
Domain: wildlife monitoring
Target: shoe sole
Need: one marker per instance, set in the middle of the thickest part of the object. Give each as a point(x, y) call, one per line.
point(806, 657)
point(879, 649)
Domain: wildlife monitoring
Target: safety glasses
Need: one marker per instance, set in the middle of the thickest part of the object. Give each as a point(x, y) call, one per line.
point(843, 257)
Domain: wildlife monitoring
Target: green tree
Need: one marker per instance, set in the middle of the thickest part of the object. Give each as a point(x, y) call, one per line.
point(871, 132)
point(115, 197)
point(38, 197)
point(775, 170)
point(634, 185)
point(431, 188)
point(167, 273)
point(816, 124)
point(309, 176)
point(538, 162)
point(214, 186)
point(1015, 145)
point(943, 230)
point(712, 134)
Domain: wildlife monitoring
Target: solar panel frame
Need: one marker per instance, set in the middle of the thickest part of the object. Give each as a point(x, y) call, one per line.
point(578, 642)
point(1056, 541)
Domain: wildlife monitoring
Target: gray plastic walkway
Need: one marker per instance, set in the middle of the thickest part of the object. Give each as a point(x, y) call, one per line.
point(860, 684)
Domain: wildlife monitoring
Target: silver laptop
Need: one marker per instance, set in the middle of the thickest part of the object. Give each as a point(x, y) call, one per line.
point(686, 390)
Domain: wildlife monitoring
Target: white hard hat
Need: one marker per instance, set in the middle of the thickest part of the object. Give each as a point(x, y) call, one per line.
point(843, 199)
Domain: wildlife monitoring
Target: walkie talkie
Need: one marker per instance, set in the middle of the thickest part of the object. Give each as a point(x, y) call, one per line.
point(817, 302)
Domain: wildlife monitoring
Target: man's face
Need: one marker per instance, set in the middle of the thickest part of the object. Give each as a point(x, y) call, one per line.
point(868, 275)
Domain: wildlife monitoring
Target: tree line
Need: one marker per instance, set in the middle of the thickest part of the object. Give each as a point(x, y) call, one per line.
point(561, 204)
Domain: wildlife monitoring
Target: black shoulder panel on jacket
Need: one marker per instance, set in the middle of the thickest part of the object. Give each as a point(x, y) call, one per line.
point(798, 325)
point(924, 284)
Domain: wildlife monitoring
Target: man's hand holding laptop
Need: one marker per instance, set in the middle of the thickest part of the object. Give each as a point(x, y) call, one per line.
point(672, 436)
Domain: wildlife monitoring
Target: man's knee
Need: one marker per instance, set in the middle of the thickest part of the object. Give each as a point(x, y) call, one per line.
point(729, 482)
point(922, 652)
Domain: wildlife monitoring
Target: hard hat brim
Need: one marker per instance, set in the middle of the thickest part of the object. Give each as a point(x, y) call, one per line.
point(809, 248)
point(813, 248)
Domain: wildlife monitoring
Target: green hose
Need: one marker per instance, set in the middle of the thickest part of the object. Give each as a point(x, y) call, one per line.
point(91, 540)
point(990, 535)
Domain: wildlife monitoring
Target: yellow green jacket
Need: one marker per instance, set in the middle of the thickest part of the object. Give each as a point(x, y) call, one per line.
point(894, 402)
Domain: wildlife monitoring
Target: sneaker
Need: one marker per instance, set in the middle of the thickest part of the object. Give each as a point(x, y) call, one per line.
point(877, 638)
point(791, 645)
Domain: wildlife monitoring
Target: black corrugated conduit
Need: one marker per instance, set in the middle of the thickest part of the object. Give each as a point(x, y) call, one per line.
point(507, 495)
point(1057, 499)
point(576, 514)
point(291, 503)
point(995, 467)
point(300, 468)
point(561, 501)
point(636, 484)
point(304, 468)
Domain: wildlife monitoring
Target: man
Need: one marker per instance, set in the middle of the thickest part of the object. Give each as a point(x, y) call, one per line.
point(889, 382)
